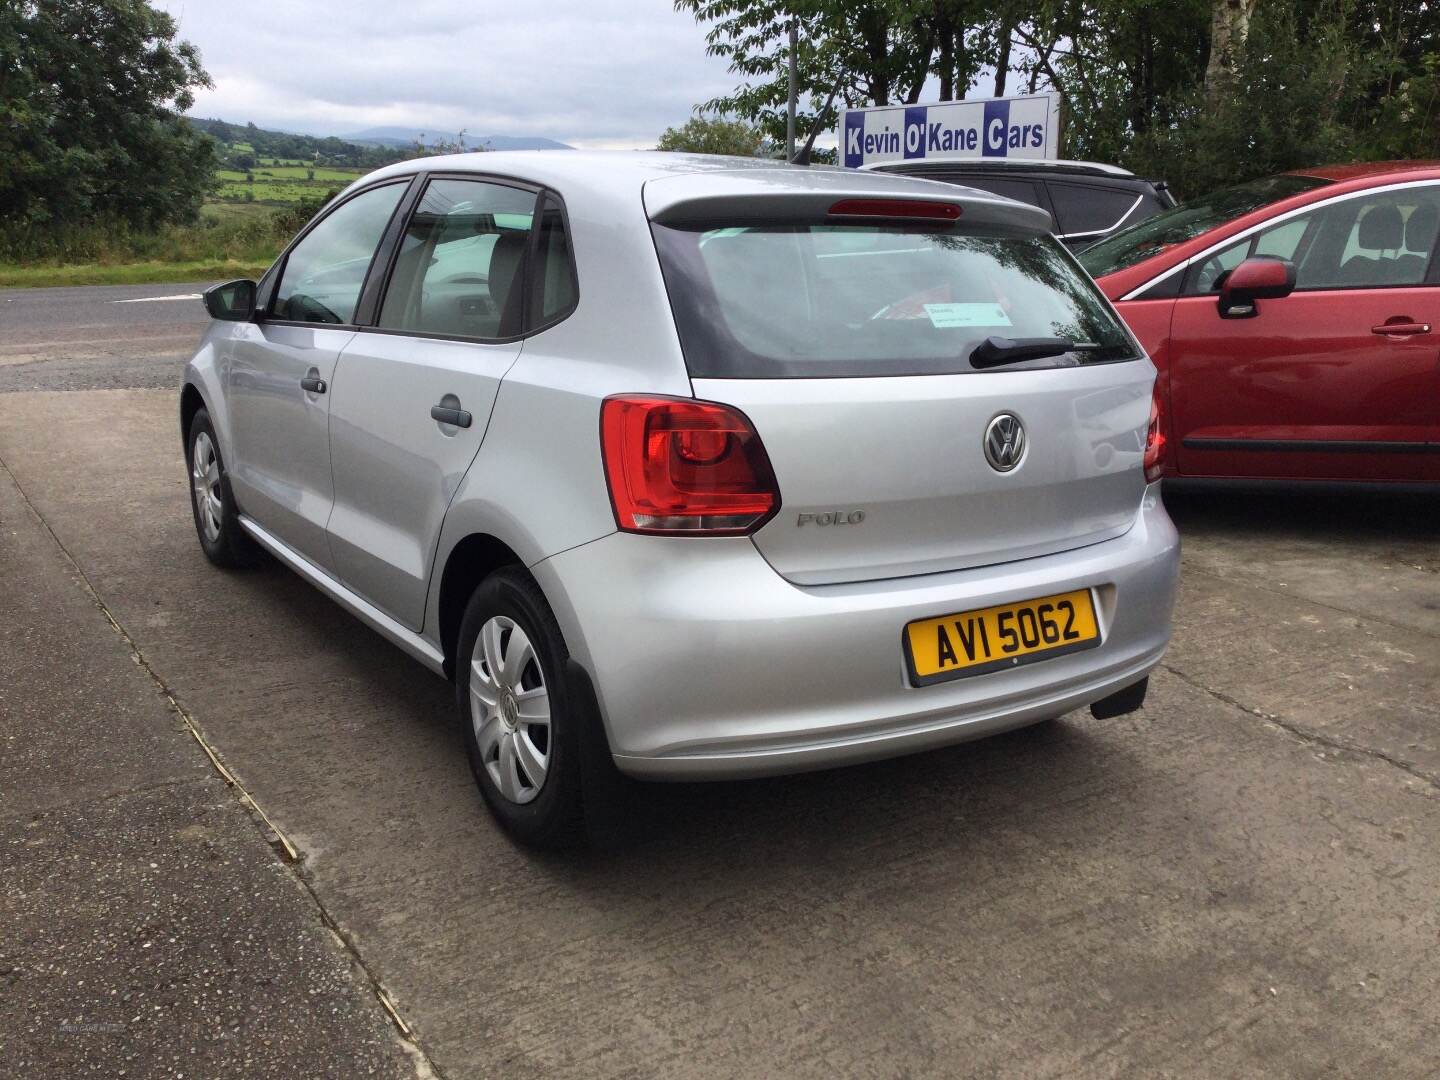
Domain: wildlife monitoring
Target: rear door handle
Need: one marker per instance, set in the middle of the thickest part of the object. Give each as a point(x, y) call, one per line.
point(1401, 328)
point(446, 415)
point(312, 384)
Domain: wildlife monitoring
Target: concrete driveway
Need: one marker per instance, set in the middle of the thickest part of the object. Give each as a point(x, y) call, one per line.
point(1241, 878)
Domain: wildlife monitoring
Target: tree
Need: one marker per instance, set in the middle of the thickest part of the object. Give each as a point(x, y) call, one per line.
point(702, 135)
point(90, 97)
point(1197, 92)
point(1229, 26)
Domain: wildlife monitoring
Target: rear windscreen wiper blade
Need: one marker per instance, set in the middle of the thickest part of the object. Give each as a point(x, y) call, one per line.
point(997, 351)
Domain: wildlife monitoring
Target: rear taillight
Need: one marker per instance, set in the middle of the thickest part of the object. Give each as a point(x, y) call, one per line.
point(681, 467)
point(1155, 438)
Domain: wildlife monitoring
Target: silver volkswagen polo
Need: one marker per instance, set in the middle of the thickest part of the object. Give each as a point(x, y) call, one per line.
point(694, 467)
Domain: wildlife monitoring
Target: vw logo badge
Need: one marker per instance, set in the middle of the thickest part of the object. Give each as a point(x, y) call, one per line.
point(1004, 442)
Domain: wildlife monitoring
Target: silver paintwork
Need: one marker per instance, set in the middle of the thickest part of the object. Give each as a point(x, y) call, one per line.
point(711, 656)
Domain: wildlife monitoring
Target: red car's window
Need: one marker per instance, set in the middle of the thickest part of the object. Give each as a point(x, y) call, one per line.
point(1189, 220)
point(1384, 238)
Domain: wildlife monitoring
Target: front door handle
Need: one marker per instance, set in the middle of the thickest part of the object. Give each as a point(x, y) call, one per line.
point(312, 384)
point(447, 415)
point(1401, 327)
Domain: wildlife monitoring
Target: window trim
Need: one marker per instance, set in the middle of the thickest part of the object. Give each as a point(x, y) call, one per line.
point(1185, 264)
point(264, 312)
point(1093, 232)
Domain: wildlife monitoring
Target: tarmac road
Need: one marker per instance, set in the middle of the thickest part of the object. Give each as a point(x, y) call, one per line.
point(1241, 878)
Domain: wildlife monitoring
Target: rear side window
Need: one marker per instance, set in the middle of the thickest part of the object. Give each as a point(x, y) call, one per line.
point(555, 288)
point(326, 270)
point(822, 300)
point(1086, 208)
point(460, 269)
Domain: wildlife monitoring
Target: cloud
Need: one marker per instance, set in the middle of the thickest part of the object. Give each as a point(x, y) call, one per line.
point(587, 72)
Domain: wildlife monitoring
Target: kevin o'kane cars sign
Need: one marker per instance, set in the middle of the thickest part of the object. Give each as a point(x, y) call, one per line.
point(1015, 127)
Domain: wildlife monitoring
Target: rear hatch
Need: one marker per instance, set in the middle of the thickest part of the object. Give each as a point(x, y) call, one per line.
point(873, 344)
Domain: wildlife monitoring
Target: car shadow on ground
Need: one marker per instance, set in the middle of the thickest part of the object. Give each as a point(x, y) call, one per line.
point(1304, 515)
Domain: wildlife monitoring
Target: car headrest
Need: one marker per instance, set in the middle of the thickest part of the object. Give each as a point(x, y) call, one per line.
point(1421, 227)
point(505, 261)
point(1382, 228)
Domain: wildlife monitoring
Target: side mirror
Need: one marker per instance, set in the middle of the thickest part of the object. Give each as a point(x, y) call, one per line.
point(1259, 278)
point(233, 301)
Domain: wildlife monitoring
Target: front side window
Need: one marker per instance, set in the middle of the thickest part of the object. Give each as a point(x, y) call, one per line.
point(326, 270)
point(1189, 220)
point(823, 300)
point(460, 269)
point(1373, 241)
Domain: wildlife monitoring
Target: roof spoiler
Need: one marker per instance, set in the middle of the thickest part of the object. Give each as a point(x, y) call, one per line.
point(707, 199)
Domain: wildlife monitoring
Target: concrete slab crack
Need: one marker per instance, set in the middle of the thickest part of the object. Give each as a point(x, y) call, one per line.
point(279, 842)
point(1307, 735)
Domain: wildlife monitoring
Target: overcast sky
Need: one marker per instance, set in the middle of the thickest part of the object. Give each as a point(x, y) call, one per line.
point(601, 73)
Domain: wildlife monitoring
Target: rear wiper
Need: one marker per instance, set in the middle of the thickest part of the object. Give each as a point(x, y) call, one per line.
point(998, 351)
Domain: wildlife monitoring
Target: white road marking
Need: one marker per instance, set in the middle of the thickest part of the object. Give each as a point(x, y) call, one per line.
point(152, 299)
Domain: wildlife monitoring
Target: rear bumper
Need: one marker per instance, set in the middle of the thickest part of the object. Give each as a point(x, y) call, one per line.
point(707, 664)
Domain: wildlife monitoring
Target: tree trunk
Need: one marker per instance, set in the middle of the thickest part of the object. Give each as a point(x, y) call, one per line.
point(1229, 25)
point(1002, 60)
point(947, 65)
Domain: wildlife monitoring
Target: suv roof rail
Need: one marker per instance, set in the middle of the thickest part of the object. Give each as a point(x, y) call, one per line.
point(1092, 168)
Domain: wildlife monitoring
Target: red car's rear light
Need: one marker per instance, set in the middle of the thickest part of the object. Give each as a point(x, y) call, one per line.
point(681, 467)
point(896, 208)
point(1156, 438)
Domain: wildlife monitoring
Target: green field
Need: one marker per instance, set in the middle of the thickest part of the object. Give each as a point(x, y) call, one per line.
point(280, 185)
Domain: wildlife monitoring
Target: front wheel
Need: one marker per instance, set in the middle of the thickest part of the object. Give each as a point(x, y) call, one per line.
point(522, 724)
point(217, 520)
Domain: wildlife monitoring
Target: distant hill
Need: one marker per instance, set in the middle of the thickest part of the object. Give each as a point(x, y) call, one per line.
point(399, 136)
point(244, 144)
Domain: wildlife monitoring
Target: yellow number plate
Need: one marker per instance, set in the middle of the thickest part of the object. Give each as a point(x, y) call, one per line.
point(996, 638)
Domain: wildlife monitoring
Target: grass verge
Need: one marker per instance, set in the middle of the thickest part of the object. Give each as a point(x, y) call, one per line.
point(137, 273)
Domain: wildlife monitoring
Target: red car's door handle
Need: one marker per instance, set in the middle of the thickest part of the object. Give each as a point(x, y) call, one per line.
point(1399, 327)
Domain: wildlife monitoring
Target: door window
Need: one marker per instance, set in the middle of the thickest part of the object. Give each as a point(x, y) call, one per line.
point(326, 270)
point(1385, 239)
point(460, 271)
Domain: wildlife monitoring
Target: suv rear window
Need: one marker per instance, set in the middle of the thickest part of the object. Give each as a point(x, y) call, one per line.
point(821, 300)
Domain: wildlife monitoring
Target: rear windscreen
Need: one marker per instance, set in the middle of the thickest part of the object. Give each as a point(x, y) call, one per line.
point(796, 301)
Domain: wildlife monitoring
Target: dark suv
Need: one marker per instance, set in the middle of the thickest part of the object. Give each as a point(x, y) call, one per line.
point(1087, 201)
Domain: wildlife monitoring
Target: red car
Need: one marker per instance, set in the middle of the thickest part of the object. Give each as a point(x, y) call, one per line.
point(1295, 322)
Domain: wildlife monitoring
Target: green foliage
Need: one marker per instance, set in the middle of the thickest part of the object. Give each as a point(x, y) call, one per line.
point(1293, 103)
point(90, 92)
point(1317, 81)
point(851, 52)
point(701, 135)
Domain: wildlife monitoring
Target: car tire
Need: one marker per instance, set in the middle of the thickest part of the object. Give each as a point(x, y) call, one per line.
point(217, 519)
point(530, 773)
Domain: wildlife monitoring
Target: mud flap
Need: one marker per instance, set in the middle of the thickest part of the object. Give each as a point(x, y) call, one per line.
point(1122, 701)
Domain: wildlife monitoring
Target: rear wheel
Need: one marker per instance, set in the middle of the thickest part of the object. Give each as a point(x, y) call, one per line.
point(523, 725)
point(217, 521)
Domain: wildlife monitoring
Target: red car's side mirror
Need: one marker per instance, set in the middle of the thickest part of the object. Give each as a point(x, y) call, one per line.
point(1259, 278)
